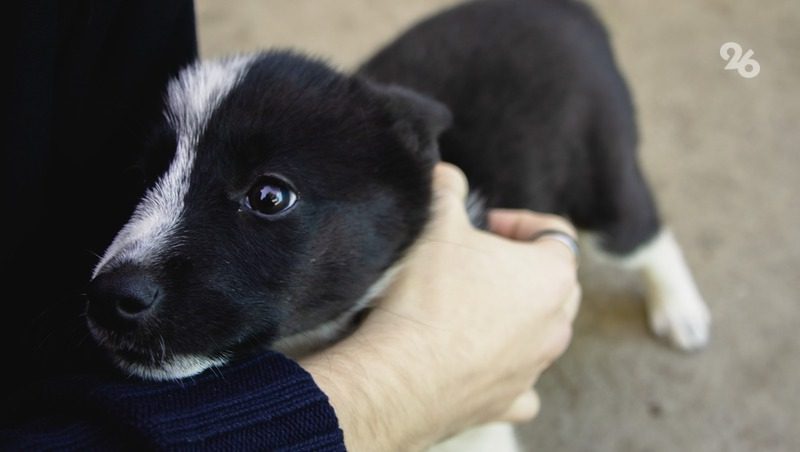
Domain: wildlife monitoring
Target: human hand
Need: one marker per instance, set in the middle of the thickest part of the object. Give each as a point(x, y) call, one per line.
point(461, 336)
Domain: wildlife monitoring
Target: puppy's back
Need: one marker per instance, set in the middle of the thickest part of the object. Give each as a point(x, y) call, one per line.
point(541, 113)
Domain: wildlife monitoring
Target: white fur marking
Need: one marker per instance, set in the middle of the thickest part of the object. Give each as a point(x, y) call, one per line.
point(167, 367)
point(676, 309)
point(496, 437)
point(174, 368)
point(191, 100)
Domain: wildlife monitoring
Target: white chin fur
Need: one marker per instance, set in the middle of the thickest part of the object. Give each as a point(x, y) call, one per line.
point(173, 369)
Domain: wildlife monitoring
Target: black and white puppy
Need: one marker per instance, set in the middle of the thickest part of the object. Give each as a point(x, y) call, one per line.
point(287, 192)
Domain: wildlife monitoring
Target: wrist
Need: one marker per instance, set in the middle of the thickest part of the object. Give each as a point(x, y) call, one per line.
point(374, 399)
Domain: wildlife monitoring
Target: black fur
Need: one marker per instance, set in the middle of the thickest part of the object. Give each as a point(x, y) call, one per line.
point(541, 119)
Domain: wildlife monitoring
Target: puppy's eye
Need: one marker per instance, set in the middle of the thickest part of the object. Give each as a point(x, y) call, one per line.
point(270, 196)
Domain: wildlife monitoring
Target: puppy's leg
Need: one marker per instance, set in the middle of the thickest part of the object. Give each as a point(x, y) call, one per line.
point(496, 437)
point(617, 205)
point(635, 240)
point(675, 308)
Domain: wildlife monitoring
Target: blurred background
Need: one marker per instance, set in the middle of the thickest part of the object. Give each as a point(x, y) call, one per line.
point(723, 154)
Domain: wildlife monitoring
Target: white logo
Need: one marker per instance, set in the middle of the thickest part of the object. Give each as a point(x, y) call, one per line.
point(746, 66)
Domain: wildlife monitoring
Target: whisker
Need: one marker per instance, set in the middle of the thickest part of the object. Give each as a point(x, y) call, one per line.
point(163, 349)
point(94, 254)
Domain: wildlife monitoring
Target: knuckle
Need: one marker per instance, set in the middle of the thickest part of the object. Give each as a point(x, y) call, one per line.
point(561, 340)
point(552, 221)
point(565, 274)
point(451, 176)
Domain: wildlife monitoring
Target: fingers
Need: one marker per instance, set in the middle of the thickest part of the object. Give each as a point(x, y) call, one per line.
point(573, 303)
point(523, 224)
point(451, 189)
point(527, 406)
point(524, 408)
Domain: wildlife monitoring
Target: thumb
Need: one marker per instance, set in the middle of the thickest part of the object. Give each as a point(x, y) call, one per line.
point(450, 190)
point(449, 181)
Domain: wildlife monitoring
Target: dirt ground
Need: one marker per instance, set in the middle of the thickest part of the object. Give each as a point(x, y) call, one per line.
point(723, 153)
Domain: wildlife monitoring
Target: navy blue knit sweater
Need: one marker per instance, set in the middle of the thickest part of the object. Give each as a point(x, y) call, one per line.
point(264, 403)
point(87, 79)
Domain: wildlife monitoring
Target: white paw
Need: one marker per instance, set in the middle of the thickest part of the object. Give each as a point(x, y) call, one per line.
point(683, 320)
point(495, 437)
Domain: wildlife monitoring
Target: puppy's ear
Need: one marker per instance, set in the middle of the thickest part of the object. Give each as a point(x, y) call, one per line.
point(419, 119)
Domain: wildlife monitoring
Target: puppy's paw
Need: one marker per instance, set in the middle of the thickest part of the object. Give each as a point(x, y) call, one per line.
point(682, 320)
point(495, 437)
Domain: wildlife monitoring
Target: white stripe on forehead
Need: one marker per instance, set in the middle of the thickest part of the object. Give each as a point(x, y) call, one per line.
point(191, 100)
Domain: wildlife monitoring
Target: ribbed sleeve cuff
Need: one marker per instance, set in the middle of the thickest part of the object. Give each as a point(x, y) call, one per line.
point(263, 403)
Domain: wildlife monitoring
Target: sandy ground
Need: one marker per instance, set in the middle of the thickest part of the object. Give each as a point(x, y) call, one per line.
point(723, 153)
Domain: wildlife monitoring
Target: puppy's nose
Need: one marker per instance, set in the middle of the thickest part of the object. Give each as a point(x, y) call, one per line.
point(123, 297)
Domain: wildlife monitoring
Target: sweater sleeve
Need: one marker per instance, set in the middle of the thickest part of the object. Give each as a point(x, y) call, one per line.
point(267, 402)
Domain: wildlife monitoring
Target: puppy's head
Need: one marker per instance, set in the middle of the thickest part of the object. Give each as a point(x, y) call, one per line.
point(288, 190)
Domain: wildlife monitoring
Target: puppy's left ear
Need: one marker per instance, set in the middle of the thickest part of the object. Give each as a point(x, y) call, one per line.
point(419, 119)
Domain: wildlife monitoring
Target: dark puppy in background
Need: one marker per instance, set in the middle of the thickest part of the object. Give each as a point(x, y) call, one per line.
point(285, 193)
